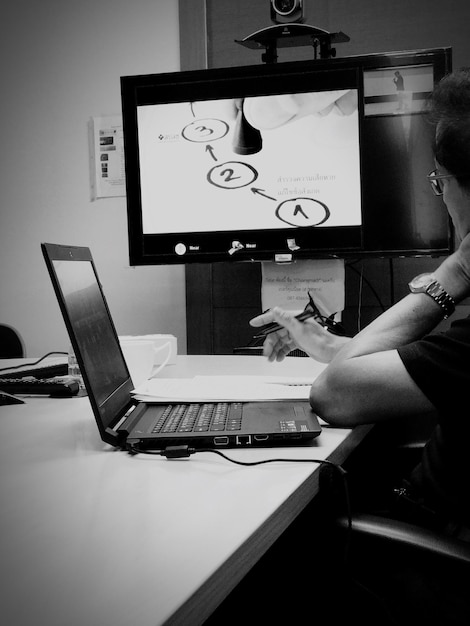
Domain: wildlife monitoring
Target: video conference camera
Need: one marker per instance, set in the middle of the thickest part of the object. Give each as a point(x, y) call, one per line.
point(287, 11)
point(289, 31)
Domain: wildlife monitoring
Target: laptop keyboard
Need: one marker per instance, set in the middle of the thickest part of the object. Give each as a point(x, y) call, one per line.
point(198, 418)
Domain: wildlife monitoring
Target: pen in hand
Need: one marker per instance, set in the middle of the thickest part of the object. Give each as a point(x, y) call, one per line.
point(310, 311)
point(273, 327)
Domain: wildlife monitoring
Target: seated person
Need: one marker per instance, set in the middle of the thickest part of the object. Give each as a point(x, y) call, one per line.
point(396, 366)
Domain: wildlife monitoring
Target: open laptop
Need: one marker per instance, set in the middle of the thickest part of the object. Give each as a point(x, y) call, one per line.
point(130, 424)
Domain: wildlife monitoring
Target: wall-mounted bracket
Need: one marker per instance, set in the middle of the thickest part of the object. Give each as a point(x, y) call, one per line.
point(290, 36)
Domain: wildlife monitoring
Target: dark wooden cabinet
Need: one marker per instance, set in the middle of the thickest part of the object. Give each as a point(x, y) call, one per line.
point(221, 298)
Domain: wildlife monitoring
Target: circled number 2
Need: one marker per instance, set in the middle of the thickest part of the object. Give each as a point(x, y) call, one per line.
point(232, 175)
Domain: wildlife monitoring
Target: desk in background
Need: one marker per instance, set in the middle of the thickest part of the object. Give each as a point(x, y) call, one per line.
point(93, 535)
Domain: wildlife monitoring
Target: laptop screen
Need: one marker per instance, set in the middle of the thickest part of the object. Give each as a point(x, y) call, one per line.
point(89, 317)
point(91, 331)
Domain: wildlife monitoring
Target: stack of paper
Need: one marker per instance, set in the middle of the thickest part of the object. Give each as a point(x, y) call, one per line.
point(223, 388)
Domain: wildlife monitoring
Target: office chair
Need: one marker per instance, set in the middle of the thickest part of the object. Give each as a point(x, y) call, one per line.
point(411, 574)
point(11, 344)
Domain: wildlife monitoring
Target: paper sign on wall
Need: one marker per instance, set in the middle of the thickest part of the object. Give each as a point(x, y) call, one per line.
point(107, 157)
point(288, 285)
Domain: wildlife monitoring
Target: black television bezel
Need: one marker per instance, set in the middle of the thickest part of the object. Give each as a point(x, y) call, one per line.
point(341, 242)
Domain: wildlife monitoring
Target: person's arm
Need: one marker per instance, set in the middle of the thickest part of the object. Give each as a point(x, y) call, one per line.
point(366, 380)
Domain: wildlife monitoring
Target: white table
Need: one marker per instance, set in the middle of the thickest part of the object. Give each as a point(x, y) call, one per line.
point(92, 536)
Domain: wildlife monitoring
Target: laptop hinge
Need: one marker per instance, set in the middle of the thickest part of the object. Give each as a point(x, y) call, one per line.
point(130, 418)
point(120, 431)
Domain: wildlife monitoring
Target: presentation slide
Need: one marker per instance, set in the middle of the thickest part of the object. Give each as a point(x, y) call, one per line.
point(259, 163)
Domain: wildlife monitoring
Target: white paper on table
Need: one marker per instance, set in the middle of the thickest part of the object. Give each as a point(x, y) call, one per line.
point(224, 389)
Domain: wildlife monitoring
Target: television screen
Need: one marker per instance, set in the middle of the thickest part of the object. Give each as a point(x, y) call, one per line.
point(281, 161)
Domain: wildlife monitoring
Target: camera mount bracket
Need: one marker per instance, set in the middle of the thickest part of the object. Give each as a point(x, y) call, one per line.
point(290, 36)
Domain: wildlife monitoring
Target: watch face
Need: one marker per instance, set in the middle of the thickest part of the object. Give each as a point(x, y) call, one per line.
point(421, 281)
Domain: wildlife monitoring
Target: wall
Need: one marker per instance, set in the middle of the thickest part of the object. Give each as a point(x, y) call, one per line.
point(60, 65)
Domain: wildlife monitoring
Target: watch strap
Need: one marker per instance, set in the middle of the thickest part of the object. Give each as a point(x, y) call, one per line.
point(440, 295)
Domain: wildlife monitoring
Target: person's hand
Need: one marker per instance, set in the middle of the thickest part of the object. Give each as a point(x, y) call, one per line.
point(309, 336)
point(268, 112)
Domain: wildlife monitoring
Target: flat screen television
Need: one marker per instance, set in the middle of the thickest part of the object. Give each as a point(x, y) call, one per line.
point(284, 161)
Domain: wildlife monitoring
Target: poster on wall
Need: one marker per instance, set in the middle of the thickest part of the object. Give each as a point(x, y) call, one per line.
point(290, 285)
point(107, 157)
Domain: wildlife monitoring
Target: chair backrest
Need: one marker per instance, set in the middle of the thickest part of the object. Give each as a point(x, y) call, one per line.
point(11, 344)
point(416, 573)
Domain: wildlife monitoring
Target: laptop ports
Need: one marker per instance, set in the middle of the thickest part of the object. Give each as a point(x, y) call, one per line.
point(221, 441)
point(243, 440)
point(260, 437)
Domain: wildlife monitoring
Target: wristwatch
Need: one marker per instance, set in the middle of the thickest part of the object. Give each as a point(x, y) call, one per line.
point(427, 283)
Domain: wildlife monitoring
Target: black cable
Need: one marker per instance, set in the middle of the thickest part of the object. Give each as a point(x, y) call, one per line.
point(23, 365)
point(275, 460)
point(177, 452)
point(369, 284)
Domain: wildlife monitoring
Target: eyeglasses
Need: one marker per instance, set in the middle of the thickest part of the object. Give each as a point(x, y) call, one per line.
point(435, 181)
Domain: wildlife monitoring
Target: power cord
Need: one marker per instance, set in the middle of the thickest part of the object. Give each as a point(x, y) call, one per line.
point(23, 365)
point(183, 451)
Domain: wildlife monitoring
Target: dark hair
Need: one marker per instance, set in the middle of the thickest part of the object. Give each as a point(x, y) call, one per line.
point(449, 111)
